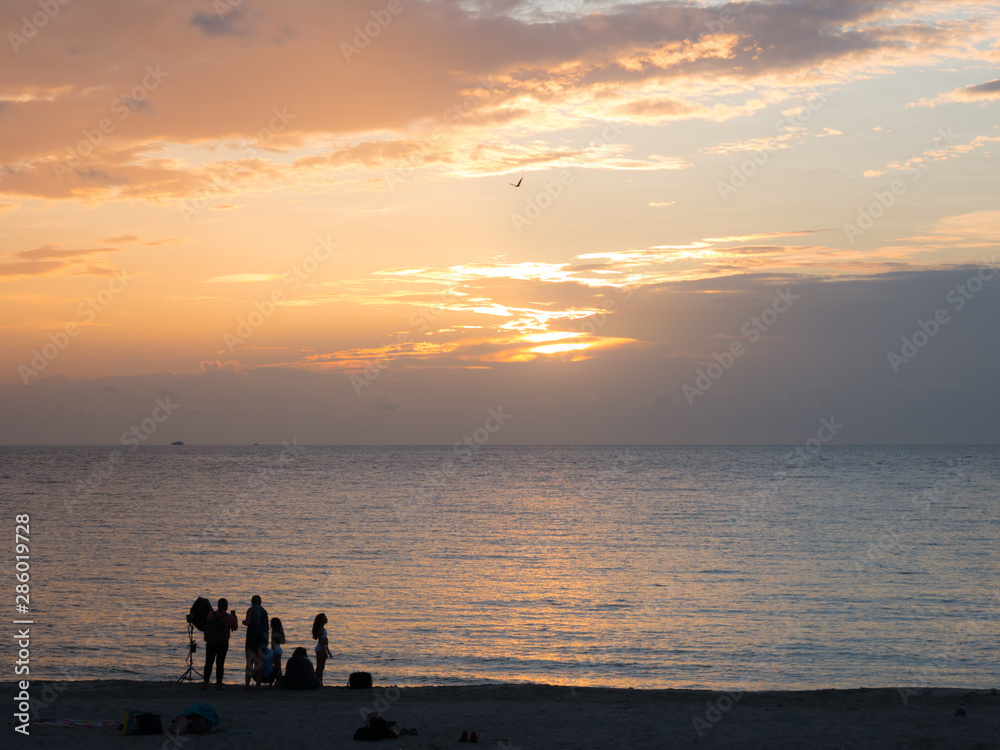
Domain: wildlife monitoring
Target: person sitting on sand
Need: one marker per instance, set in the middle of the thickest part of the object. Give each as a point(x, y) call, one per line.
point(219, 624)
point(277, 638)
point(299, 674)
point(322, 645)
point(266, 673)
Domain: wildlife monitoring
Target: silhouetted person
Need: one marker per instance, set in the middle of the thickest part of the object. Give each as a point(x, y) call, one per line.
point(277, 639)
point(256, 625)
point(299, 674)
point(266, 674)
point(218, 626)
point(322, 645)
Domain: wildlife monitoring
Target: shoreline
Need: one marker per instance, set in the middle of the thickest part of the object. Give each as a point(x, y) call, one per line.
point(509, 716)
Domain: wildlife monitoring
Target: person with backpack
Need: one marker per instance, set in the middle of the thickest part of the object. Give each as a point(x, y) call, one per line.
point(256, 623)
point(218, 626)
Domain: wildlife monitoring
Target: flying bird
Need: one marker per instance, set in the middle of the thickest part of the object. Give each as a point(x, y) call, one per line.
point(518, 183)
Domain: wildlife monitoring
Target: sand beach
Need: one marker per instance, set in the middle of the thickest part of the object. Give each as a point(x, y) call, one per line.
point(506, 717)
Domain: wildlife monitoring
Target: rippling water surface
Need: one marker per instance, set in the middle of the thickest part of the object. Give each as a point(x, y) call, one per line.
point(641, 567)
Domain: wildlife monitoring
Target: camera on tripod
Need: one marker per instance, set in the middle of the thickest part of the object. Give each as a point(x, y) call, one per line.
point(195, 618)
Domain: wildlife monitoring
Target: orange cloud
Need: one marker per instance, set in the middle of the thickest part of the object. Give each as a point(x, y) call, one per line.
point(52, 260)
point(982, 92)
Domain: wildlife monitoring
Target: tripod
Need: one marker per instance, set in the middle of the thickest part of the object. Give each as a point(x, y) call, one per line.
point(191, 673)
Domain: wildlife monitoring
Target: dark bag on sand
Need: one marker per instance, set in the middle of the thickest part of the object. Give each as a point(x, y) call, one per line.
point(141, 722)
point(359, 680)
point(376, 728)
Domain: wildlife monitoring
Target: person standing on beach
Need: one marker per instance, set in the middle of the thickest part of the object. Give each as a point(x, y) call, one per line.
point(218, 626)
point(322, 645)
point(256, 643)
point(277, 638)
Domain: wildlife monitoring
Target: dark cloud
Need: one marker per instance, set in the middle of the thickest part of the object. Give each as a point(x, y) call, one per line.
point(382, 403)
point(94, 175)
point(988, 89)
point(825, 357)
point(233, 23)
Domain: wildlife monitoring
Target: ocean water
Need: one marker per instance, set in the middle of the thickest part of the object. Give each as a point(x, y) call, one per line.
point(646, 567)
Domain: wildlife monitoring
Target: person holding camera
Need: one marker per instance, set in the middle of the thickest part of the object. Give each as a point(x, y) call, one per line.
point(219, 624)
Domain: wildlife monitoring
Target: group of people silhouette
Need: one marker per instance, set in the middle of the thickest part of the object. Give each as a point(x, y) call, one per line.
point(264, 640)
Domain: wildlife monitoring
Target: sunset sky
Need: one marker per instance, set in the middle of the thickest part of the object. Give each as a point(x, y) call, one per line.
point(295, 221)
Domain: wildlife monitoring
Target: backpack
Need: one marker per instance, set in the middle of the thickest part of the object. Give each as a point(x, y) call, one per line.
point(258, 622)
point(215, 628)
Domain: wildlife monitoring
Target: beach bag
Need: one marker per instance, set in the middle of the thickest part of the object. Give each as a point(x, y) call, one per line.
point(359, 680)
point(215, 628)
point(141, 722)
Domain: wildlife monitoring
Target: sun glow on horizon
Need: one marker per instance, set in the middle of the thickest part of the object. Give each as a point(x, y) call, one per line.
point(556, 348)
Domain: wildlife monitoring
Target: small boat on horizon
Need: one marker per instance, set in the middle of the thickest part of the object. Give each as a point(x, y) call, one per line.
point(178, 442)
